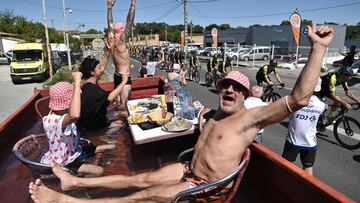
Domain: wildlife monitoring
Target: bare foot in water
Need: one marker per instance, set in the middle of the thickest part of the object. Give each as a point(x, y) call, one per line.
point(68, 181)
point(42, 194)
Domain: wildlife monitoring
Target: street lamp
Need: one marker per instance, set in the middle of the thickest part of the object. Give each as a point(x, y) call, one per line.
point(65, 11)
point(151, 33)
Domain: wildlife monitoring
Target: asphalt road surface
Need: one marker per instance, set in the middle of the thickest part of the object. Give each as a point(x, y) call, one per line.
point(335, 165)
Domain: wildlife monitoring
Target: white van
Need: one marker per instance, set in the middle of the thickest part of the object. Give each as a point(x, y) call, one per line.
point(259, 53)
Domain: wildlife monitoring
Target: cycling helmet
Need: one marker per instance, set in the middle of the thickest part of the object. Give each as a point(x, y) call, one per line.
point(346, 71)
point(273, 62)
point(352, 48)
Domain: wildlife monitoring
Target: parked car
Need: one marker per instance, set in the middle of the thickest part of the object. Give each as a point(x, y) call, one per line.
point(208, 51)
point(5, 58)
point(235, 54)
point(293, 65)
point(256, 53)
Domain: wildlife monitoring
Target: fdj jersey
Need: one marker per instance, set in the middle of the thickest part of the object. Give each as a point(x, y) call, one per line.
point(302, 124)
point(265, 70)
point(329, 83)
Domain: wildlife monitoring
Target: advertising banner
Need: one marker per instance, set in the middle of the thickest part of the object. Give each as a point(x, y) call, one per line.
point(214, 34)
point(182, 40)
point(295, 21)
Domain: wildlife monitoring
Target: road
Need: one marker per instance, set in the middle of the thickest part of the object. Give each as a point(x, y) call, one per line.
point(13, 96)
point(334, 164)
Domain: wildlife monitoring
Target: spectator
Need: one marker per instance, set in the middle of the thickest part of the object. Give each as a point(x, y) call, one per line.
point(301, 136)
point(61, 130)
point(255, 101)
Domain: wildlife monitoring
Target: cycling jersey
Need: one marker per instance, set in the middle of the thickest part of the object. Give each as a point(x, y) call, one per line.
point(329, 83)
point(265, 70)
point(212, 64)
point(302, 124)
point(223, 66)
point(193, 60)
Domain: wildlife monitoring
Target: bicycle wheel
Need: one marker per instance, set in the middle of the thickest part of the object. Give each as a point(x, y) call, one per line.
point(347, 132)
point(208, 79)
point(190, 73)
point(216, 79)
point(275, 96)
point(196, 76)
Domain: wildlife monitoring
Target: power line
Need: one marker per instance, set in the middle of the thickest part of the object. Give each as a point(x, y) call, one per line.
point(169, 11)
point(203, 1)
point(282, 13)
point(201, 14)
point(100, 11)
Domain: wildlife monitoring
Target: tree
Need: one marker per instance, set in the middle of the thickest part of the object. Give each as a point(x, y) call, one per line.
point(93, 31)
point(224, 26)
point(211, 26)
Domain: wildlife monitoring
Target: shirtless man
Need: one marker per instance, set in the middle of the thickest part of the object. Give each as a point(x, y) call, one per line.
point(120, 53)
point(220, 146)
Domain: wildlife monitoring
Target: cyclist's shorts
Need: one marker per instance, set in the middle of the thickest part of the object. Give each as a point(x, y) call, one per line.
point(307, 157)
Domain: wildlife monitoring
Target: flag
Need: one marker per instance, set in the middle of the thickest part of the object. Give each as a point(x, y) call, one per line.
point(182, 39)
point(214, 34)
point(295, 21)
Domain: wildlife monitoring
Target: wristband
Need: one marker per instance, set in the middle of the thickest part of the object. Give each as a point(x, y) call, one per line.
point(287, 104)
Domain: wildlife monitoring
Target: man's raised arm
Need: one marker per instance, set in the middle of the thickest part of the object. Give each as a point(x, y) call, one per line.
point(320, 38)
point(129, 21)
point(110, 5)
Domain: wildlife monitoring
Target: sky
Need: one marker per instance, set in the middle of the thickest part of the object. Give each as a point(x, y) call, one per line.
point(92, 13)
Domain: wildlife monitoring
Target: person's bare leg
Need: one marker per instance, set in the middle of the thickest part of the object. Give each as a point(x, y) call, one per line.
point(42, 194)
point(308, 170)
point(161, 193)
point(124, 96)
point(90, 169)
point(104, 147)
point(164, 176)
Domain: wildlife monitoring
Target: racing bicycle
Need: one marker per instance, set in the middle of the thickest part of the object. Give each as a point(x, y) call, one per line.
point(194, 73)
point(270, 94)
point(346, 129)
point(211, 77)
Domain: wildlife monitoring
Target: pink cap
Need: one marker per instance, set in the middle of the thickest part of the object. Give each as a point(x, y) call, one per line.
point(119, 29)
point(239, 78)
point(60, 96)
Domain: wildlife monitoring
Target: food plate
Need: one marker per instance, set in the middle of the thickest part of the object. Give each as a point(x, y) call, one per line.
point(136, 118)
point(156, 117)
point(177, 126)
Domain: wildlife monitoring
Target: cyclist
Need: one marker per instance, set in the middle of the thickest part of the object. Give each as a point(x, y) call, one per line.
point(263, 74)
point(328, 88)
point(349, 57)
point(223, 66)
point(194, 61)
point(213, 63)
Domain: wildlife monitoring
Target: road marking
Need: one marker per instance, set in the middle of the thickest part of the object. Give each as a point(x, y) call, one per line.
point(341, 131)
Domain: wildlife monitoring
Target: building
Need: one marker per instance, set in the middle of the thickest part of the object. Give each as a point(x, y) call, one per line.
point(8, 41)
point(280, 36)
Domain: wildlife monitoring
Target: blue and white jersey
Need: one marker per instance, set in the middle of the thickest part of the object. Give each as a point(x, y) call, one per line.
point(302, 124)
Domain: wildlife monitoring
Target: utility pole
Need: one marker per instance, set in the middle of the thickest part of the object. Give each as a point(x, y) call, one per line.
point(185, 27)
point(47, 39)
point(67, 34)
point(191, 29)
point(166, 33)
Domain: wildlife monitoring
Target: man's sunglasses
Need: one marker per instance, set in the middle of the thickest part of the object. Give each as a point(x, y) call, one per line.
point(225, 84)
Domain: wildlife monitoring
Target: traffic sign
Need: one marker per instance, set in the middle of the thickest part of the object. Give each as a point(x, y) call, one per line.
point(98, 44)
